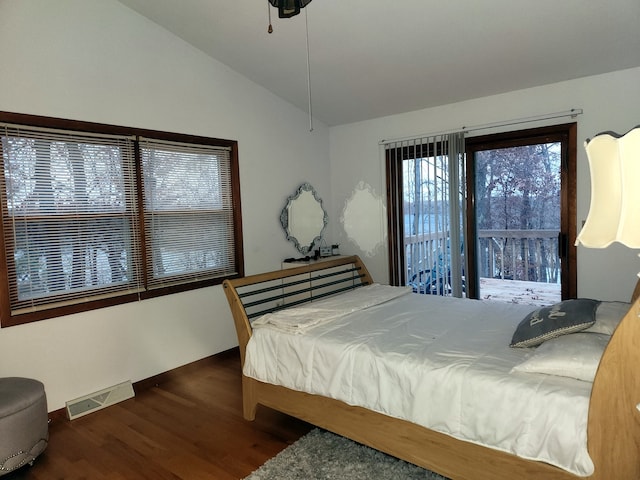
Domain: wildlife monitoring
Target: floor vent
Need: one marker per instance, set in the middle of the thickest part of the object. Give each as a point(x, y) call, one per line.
point(99, 400)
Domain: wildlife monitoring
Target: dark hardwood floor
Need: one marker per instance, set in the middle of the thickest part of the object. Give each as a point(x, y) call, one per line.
point(186, 424)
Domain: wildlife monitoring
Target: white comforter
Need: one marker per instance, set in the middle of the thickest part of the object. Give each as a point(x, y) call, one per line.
point(443, 363)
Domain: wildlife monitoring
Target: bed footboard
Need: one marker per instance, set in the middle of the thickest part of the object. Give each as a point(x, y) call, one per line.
point(614, 418)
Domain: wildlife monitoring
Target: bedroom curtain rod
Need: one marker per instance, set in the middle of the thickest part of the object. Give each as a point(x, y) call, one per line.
point(574, 112)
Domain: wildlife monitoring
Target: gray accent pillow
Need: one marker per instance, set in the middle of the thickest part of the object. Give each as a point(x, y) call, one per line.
point(565, 317)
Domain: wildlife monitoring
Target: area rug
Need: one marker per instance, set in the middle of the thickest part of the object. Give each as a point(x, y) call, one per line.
point(321, 455)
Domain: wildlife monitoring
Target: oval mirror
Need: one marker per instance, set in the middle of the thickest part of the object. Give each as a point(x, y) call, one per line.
point(304, 218)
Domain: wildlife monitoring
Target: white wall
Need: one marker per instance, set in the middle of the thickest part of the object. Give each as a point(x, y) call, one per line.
point(610, 102)
point(98, 61)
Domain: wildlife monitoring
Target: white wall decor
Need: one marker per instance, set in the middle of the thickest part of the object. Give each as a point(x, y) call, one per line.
point(360, 219)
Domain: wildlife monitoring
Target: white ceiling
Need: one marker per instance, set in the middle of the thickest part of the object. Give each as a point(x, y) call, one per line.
point(371, 58)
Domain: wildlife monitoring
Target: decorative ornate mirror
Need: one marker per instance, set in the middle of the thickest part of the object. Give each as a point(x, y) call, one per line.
point(304, 218)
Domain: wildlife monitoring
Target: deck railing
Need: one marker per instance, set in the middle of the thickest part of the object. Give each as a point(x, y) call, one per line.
point(529, 255)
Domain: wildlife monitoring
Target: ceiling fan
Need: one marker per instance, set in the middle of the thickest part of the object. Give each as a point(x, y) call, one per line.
point(289, 8)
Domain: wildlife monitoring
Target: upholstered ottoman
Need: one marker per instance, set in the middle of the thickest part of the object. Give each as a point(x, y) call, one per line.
point(24, 426)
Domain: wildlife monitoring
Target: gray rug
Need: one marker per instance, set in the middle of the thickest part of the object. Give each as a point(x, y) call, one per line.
point(321, 455)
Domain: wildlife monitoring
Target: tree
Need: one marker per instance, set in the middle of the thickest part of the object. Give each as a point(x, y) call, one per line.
point(518, 189)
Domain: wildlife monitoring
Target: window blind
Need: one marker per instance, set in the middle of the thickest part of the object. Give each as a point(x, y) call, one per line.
point(69, 216)
point(188, 212)
point(426, 177)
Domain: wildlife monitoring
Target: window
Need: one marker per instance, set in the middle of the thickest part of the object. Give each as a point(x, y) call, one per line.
point(187, 188)
point(94, 215)
point(425, 182)
point(522, 213)
point(517, 221)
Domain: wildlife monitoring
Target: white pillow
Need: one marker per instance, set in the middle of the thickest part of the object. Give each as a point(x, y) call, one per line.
point(608, 316)
point(576, 356)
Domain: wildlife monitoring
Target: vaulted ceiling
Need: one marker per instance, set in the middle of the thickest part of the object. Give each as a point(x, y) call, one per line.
point(372, 58)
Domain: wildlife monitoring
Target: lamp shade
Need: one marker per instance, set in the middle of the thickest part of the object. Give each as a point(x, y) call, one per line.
point(614, 213)
point(289, 8)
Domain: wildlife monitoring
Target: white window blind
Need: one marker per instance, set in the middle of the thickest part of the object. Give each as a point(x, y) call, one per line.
point(188, 212)
point(428, 211)
point(69, 216)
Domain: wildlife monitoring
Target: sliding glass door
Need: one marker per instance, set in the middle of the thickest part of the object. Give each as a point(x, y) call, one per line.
point(521, 215)
point(485, 216)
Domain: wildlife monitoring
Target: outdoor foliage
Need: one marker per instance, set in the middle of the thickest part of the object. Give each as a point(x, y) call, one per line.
point(518, 189)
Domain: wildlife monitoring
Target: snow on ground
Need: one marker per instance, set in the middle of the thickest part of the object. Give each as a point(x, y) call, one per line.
point(515, 291)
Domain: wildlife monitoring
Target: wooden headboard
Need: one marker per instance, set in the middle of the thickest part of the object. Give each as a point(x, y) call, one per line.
point(256, 295)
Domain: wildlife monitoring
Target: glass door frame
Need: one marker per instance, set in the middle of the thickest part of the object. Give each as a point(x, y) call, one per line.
point(566, 135)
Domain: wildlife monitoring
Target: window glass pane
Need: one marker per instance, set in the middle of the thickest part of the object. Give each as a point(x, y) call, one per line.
point(181, 181)
point(197, 252)
point(65, 257)
point(70, 222)
point(518, 220)
point(50, 177)
point(188, 212)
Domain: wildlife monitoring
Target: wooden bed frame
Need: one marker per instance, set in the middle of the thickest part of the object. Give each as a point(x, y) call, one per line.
point(614, 410)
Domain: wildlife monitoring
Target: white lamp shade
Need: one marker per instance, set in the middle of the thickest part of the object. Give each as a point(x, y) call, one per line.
point(614, 214)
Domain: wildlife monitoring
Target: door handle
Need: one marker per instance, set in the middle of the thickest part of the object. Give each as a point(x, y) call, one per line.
point(563, 245)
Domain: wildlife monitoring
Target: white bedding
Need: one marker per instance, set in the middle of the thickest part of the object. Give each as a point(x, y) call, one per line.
point(443, 363)
point(311, 315)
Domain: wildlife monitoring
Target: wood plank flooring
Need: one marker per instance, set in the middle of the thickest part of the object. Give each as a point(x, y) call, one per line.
point(186, 424)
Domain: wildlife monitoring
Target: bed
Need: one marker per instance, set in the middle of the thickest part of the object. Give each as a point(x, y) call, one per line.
point(611, 404)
